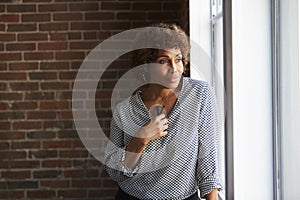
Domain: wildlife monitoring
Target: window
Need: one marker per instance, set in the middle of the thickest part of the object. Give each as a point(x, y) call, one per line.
point(206, 31)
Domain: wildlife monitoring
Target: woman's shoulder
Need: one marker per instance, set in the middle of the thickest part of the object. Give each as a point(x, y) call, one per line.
point(194, 83)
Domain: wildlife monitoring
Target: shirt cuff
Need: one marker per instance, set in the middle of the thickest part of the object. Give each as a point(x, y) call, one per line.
point(129, 172)
point(207, 186)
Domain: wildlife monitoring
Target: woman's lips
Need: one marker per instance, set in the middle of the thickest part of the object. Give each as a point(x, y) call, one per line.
point(173, 79)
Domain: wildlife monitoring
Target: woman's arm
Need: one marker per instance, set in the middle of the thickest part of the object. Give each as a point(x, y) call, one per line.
point(213, 195)
point(155, 129)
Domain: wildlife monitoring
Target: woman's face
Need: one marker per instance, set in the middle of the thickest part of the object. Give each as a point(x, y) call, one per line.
point(167, 68)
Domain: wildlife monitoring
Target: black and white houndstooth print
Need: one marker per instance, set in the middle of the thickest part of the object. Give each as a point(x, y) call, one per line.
point(176, 165)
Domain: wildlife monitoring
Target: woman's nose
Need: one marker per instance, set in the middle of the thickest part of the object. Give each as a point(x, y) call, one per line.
point(173, 66)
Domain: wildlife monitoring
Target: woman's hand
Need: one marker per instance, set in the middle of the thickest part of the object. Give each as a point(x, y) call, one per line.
point(213, 195)
point(155, 129)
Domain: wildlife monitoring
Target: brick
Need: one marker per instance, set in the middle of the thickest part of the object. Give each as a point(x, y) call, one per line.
point(4, 125)
point(43, 154)
point(83, 45)
point(55, 183)
point(86, 183)
point(58, 124)
point(74, 173)
point(40, 135)
point(3, 106)
point(12, 76)
point(10, 57)
point(8, 194)
point(21, 27)
point(24, 164)
point(115, 25)
point(1, 47)
point(40, 194)
point(102, 193)
point(55, 85)
point(74, 193)
point(25, 145)
point(58, 36)
point(7, 37)
point(15, 174)
point(23, 66)
point(75, 64)
point(22, 184)
point(12, 154)
point(21, 8)
point(99, 16)
point(36, 17)
point(36, 1)
point(3, 86)
point(54, 105)
point(131, 16)
point(41, 115)
point(53, 7)
point(54, 65)
point(69, 55)
point(11, 96)
point(65, 115)
point(39, 96)
point(38, 56)
point(90, 35)
point(67, 16)
point(67, 95)
point(9, 18)
point(42, 75)
point(115, 6)
point(162, 16)
point(3, 66)
point(56, 163)
point(2, 8)
point(32, 36)
point(20, 47)
point(171, 6)
point(2, 27)
point(53, 46)
point(23, 105)
point(146, 6)
point(12, 135)
point(12, 115)
point(27, 125)
point(53, 27)
point(74, 35)
point(67, 134)
point(85, 26)
point(73, 153)
point(78, 144)
point(83, 6)
point(47, 174)
point(24, 86)
point(4, 146)
point(57, 144)
point(4, 164)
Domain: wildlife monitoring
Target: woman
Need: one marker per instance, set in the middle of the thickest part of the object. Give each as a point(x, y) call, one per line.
point(172, 153)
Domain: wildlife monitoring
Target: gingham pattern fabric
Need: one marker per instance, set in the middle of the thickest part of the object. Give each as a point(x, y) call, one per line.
point(176, 165)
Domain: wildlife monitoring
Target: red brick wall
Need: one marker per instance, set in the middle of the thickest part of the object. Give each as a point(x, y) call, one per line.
point(42, 44)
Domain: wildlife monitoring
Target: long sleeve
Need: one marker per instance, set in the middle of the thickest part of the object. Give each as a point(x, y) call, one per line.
point(115, 153)
point(207, 166)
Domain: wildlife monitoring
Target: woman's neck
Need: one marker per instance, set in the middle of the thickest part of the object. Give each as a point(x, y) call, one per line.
point(155, 92)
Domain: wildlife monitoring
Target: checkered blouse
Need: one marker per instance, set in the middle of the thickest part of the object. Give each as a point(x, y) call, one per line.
point(176, 165)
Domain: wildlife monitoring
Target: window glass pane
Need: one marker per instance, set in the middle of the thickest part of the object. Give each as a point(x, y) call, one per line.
point(290, 99)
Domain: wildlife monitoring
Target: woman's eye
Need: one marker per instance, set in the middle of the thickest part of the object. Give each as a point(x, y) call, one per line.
point(178, 60)
point(162, 61)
